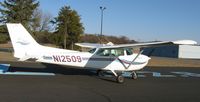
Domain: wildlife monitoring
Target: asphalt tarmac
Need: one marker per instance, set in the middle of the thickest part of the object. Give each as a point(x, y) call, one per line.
point(77, 85)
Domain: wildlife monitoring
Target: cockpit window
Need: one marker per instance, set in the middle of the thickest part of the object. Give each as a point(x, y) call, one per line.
point(92, 50)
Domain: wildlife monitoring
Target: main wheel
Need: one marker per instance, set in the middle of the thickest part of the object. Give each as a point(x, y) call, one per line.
point(100, 73)
point(134, 75)
point(120, 79)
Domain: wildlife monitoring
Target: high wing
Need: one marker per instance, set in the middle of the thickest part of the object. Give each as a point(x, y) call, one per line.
point(178, 42)
point(93, 45)
point(89, 45)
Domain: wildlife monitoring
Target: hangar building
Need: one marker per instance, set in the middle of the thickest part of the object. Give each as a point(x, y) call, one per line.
point(174, 51)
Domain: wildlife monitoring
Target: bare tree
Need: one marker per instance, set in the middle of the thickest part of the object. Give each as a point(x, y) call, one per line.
point(45, 24)
point(35, 25)
point(42, 21)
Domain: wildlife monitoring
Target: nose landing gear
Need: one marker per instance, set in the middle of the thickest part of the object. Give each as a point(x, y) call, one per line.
point(134, 75)
point(118, 76)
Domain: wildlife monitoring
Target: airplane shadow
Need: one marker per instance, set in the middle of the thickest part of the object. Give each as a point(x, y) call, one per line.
point(59, 69)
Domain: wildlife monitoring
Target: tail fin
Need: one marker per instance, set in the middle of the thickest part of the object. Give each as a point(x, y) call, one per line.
point(22, 41)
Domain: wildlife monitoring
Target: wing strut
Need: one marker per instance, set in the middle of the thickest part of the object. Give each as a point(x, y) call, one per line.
point(131, 61)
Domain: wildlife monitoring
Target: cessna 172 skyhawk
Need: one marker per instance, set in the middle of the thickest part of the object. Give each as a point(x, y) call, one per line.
point(113, 58)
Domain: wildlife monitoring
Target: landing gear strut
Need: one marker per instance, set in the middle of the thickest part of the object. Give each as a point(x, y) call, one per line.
point(118, 76)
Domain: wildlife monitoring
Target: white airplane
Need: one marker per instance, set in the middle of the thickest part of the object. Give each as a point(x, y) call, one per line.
point(113, 58)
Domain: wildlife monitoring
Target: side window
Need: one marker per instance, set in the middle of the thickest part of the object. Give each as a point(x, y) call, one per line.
point(120, 52)
point(103, 52)
point(117, 52)
point(113, 52)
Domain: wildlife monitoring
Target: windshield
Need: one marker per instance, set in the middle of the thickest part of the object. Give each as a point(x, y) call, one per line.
point(128, 51)
point(92, 51)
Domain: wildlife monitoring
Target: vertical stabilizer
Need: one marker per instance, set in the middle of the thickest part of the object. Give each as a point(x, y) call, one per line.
point(22, 41)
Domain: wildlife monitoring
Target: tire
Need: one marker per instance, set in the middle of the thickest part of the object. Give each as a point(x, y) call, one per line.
point(134, 76)
point(97, 72)
point(120, 79)
point(100, 73)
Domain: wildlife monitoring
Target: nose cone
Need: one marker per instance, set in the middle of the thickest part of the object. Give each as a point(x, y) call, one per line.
point(146, 58)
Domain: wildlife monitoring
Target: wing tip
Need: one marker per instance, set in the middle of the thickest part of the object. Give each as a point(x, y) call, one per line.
point(185, 42)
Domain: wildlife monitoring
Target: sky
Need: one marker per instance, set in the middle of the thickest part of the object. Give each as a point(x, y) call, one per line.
point(141, 20)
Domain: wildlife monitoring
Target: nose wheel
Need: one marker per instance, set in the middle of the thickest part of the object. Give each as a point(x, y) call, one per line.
point(100, 73)
point(134, 75)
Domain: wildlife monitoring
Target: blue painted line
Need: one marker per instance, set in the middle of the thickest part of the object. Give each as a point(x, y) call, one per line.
point(126, 74)
point(4, 71)
point(187, 74)
point(27, 73)
point(4, 67)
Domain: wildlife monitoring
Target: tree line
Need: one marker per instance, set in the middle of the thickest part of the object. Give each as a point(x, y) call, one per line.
point(63, 30)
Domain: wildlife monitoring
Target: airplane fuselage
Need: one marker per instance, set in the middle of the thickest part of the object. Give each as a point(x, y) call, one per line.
point(94, 61)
